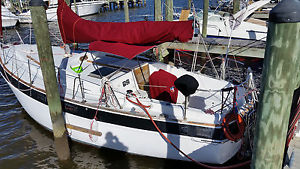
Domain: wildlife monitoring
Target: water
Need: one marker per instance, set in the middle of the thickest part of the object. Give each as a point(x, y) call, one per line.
point(25, 144)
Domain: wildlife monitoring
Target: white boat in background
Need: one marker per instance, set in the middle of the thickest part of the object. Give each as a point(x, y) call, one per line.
point(85, 7)
point(235, 26)
point(8, 18)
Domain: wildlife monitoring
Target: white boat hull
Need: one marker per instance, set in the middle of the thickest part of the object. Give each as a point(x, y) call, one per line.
point(8, 18)
point(9, 22)
point(84, 9)
point(245, 30)
point(121, 129)
point(135, 141)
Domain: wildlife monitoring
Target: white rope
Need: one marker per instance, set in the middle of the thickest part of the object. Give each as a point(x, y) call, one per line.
point(251, 84)
point(208, 55)
point(179, 58)
point(195, 57)
point(206, 51)
point(60, 40)
point(108, 93)
point(167, 7)
point(30, 33)
point(220, 4)
point(198, 42)
point(19, 36)
point(227, 51)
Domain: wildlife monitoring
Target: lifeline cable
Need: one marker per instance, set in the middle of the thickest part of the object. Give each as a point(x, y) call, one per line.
point(138, 103)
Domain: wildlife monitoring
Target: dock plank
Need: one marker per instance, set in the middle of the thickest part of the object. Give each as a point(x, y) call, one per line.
point(257, 21)
point(238, 47)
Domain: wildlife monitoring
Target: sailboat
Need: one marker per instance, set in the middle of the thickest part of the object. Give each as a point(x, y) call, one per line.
point(235, 25)
point(115, 98)
point(8, 19)
point(84, 7)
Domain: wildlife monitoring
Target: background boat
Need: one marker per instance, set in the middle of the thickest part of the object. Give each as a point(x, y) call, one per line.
point(8, 19)
point(225, 25)
point(84, 7)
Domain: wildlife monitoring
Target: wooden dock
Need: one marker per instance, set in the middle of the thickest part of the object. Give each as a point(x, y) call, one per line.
point(246, 48)
point(238, 47)
point(263, 13)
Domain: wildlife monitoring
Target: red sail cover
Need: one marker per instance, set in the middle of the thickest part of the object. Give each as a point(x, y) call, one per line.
point(121, 49)
point(142, 33)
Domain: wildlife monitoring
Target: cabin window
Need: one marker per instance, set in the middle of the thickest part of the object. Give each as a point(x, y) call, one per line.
point(104, 71)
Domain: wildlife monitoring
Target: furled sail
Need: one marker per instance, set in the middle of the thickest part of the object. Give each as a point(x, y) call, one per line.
point(134, 36)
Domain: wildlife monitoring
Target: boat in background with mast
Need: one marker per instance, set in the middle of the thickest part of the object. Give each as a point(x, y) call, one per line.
point(235, 26)
point(226, 25)
point(84, 8)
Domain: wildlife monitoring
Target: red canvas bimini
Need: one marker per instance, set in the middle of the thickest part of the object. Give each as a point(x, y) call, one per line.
point(134, 36)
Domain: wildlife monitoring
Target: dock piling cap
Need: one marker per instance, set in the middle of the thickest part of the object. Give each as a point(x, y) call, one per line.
point(37, 3)
point(287, 11)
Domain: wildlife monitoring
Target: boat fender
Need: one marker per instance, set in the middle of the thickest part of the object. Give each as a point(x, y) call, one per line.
point(233, 126)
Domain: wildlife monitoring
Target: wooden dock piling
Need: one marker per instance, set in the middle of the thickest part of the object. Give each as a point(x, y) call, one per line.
point(189, 4)
point(169, 10)
point(236, 6)
point(157, 10)
point(76, 8)
point(41, 31)
point(205, 17)
point(280, 79)
point(126, 11)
